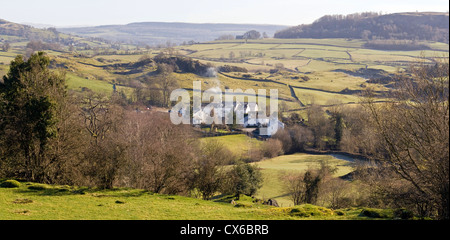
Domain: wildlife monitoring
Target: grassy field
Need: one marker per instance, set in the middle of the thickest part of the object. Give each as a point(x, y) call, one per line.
point(274, 169)
point(306, 55)
point(323, 98)
point(45, 202)
point(316, 59)
point(238, 144)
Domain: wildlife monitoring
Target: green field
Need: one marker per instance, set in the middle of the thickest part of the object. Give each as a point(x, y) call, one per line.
point(45, 202)
point(316, 59)
point(274, 169)
point(308, 54)
point(240, 144)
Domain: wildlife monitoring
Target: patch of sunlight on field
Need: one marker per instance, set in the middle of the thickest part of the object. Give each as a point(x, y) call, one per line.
point(324, 98)
point(331, 81)
point(274, 169)
point(240, 144)
point(77, 83)
point(323, 53)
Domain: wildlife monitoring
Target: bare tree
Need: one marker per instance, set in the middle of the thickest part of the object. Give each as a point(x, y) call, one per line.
point(163, 83)
point(305, 187)
point(105, 151)
point(415, 133)
point(160, 156)
point(209, 168)
point(6, 47)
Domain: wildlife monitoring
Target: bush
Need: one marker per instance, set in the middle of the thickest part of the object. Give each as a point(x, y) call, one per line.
point(272, 148)
point(10, 184)
point(340, 213)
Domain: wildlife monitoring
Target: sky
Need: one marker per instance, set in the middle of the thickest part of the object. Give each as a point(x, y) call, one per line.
point(282, 12)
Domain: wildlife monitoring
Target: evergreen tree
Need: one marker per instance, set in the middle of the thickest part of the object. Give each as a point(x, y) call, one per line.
point(31, 97)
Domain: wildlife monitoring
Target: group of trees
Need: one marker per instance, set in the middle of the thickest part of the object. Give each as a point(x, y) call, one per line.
point(6, 47)
point(371, 26)
point(50, 136)
point(155, 89)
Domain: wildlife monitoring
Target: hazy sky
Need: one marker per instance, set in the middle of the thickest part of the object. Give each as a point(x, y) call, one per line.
point(286, 12)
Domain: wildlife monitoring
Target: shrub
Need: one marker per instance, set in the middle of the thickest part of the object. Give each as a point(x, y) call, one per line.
point(340, 213)
point(10, 184)
point(272, 148)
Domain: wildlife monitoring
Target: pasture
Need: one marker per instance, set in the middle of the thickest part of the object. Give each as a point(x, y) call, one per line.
point(274, 169)
point(31, 201)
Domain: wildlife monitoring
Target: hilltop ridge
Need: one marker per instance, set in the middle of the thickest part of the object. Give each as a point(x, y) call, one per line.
point(432, 26)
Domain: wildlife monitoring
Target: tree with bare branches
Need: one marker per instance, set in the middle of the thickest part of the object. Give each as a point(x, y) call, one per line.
point(415, 133)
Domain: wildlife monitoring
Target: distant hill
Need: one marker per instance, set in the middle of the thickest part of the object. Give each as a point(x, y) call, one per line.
point(25, 31)
point(153, 33)
point(28, 39)
point(373, 26)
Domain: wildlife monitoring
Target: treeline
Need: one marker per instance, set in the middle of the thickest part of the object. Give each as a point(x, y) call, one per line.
point(48, 135)
point(396, 45)
point(372, 26)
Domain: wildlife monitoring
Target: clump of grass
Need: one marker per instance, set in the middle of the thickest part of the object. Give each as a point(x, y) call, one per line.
point(243, 205)
point(308, 210)
point(10, 184)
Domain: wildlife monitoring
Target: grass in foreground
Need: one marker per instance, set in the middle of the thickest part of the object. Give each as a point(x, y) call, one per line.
point(47, 202)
